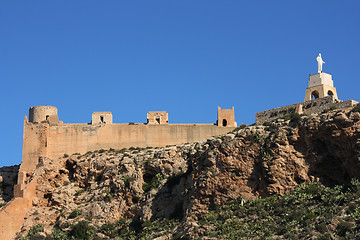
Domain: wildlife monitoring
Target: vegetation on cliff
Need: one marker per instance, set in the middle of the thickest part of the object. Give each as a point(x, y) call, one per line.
point(311, 210)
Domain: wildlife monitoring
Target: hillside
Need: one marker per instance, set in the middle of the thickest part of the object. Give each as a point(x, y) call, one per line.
point(183, 191)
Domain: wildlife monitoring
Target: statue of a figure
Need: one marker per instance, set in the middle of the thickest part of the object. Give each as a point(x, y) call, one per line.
point(320, 63)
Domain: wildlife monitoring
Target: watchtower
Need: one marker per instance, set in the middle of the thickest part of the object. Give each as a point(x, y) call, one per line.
point(157, 117)
point(226, 118)
point(102, 117)
point(40, 114)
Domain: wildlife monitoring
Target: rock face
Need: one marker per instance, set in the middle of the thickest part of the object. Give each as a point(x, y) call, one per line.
point(8, 178)
point(185, 181)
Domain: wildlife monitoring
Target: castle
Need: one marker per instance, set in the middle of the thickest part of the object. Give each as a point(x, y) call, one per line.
point(46, 136)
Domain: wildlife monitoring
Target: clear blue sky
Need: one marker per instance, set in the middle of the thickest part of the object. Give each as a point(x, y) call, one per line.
point(185, 57)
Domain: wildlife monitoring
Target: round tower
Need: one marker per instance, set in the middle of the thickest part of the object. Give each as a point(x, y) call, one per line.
point(41, 113)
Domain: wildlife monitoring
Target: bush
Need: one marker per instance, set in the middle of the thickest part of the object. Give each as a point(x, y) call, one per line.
point(79, 192)
point(66, 155)
point(75, 213)
point(154, 183)
point(108, 229)
point(82, 231)
point(127, 180)
point(35, 229)
point(58, 234)
point(344, 227)
point(37, 237)
point(322, 227)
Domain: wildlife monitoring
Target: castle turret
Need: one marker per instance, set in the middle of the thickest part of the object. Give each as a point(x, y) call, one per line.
point(102, 118)
point(43, 113)
point(157, 117)
point(226, 117)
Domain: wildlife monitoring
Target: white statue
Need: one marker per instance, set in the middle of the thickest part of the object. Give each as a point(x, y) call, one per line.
point(320, 63)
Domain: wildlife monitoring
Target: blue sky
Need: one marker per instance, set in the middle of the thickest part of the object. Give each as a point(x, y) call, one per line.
point(184, 57)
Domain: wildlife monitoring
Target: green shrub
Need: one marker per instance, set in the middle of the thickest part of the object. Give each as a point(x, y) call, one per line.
point(343, 227)
point(79, 192)
point(75, 213)
point(109, 229)
point(154, 183)
point(37, 236)
point(127, 179)
point(58, 234)
point(66, 155)
point(82, 231)
point(321, 227)
point(35, 229)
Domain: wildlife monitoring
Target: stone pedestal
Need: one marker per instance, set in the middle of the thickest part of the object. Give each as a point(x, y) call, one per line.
point(320, 85)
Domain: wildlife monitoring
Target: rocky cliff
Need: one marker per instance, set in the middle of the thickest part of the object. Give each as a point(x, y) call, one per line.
point(184, 182)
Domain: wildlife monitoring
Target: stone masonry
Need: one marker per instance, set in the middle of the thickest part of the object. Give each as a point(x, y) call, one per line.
point(308, 107)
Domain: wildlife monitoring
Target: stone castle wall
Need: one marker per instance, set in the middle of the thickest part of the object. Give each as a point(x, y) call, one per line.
point(54, 141)
point(12, 215)
point(308, 107)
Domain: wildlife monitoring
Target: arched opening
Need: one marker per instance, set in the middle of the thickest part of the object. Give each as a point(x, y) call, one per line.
point(224, 123)
point(330, 93)
point(314, 95)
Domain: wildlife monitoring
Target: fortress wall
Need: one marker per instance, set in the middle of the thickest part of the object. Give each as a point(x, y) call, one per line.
point(309, 107)
point(54, 141)
point(80, 138)
point(34, 145)
point(12, 215)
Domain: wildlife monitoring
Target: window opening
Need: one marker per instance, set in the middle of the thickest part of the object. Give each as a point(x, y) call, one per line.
point(224, 123)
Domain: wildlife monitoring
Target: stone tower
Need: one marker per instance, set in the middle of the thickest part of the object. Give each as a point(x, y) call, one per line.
point(102, 118)
point(157, 117)
point(320, 85)
point(40, 114)
point(226, 117)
